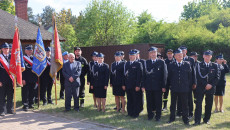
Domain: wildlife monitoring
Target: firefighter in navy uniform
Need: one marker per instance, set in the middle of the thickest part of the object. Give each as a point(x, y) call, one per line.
point(123, 56)
point(6, 83)
point(190, 98)
point(116, 79)
point(46, 82)
point(85, 68)
point(180, 75)
point(168, 60)
point(132, 84)
point(89, 74)
point(142, 61)
point(154, 81)
point(29, 79)
point(208, 75)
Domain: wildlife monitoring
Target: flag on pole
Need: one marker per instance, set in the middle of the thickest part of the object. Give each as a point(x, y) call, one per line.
point(39, 60)
point(17, 62)
point(56, 55)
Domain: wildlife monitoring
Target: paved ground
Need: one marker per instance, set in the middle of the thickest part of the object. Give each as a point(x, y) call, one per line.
point(35, 121)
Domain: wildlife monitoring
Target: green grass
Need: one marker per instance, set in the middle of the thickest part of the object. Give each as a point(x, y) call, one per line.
point(218, 120)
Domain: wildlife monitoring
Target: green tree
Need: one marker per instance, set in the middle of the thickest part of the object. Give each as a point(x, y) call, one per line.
point(46, 16)
point(200, 8)
point(105, 22)
point(31, 17)
point(8, 6)
point(144, 17)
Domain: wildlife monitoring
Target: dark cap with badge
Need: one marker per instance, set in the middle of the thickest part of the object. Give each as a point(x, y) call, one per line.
point(118, 53)
point(137, 51)
point(132, 52)
point(100, 55)
point(152, 49)
point(220, 56)
point(94, 53)
point(208, 52)
point(177, 51)
point(193, 53)
point(170, 51)
point(77, 48)
point(183, 47)
point(29, 47)
point(5, 45)
point(48, 49)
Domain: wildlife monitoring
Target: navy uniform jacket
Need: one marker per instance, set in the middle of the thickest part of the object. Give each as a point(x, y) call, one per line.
point(180, 77)
point(75, 72)
point(205, 76)
point(117, 73)
point(84, 66)
point(28, 75)
point(133, 75)
point(223, 70)
point(100, 75)
point(155, 75)
point(4, 76)
point(91, 63)
point(46, 73)
point(192, 63)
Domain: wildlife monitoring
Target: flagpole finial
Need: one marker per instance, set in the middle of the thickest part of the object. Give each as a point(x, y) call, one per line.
point(16, 20)
point(39, 21)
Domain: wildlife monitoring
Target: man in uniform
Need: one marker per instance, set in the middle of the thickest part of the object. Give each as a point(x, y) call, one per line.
point(195, 55)
point(84, 71)
point(190, 99)
point(6, 82)
point(208, 75)
point(123, 56)
point(180, 76)
point(132, 84)
point(166, 93)
point(29, 79)
point(46, 82)
point(155, 77)
point(61, 77)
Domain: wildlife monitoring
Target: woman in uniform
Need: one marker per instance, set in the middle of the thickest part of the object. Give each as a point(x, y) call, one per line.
point(116, 79)
point(100, 79)
point(220, 87)
point(89, 75)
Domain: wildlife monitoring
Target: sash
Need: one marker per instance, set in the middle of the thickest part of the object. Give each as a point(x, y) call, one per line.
point(28, 60)
point(48, 63)
point(6, 66)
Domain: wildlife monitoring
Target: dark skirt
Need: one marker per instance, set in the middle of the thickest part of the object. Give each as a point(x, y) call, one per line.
point(99, 91)
point(220, 90)
point(91, 90)
point(118, 91)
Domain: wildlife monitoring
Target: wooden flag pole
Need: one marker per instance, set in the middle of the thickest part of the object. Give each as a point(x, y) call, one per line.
point(14, 95)
point(38, 92)
point(55, 90)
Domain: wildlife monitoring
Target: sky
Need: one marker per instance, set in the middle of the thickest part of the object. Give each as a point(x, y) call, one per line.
point(167, 10)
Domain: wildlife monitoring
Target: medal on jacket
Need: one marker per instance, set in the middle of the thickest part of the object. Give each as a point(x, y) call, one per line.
point(148, 72)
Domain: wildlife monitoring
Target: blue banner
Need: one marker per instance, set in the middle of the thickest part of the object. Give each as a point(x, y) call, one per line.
point(39, 60)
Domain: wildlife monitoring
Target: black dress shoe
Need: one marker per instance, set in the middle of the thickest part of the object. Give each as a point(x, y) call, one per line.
point(115, 108)
point(25, 108)
point(44, 103)
point(150, 118)
point(11, 112)
point(50, 102)
point(196, 124)
point(31, 106)
point(170, 121)
point(158, 120)
point(2, 114)
point(66, 110)
point(61, 97)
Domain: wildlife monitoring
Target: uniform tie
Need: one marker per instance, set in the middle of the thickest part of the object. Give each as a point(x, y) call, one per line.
point(179, 64)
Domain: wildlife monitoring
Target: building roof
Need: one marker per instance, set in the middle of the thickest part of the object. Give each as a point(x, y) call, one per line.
point(27, 30)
